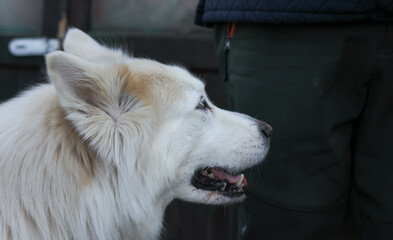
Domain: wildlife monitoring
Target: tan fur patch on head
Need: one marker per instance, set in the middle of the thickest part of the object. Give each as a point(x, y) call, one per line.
point(153, 82)
point(134, 85)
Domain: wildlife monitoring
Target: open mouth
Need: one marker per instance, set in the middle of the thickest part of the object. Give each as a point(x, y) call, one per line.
point(219, 180)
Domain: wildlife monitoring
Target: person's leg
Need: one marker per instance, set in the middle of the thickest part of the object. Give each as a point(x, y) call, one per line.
point(310, 83)
point(269, 221)
point(373, 150)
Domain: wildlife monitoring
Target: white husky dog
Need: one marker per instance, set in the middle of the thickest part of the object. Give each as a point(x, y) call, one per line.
point(102, 150)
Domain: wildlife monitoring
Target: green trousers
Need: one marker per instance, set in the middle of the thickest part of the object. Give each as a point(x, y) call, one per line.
point(327, 91)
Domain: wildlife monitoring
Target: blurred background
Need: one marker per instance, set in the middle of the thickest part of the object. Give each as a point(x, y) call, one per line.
point(158, 29)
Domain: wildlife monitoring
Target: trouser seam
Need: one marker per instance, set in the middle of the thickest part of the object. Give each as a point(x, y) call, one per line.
point(283, 206)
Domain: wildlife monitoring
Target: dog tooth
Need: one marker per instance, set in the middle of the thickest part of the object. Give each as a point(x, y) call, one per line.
point(240, 182)
point(223, 187)
point(204, 173)
point(211, 175)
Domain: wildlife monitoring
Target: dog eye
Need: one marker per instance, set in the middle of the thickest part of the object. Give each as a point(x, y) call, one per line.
point(202, 105)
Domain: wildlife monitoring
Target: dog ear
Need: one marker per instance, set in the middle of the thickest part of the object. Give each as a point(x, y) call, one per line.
point(90, 92)
point(74, 78)
point(82, 45)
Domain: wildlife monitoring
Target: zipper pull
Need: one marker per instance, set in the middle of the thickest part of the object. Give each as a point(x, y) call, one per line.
point(228, 38)
point(228, 43)
point(231, 29)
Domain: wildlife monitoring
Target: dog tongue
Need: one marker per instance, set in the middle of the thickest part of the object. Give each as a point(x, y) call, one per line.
point(231, 178)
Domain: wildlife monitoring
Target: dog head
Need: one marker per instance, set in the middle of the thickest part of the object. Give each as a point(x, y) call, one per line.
point(155, 123)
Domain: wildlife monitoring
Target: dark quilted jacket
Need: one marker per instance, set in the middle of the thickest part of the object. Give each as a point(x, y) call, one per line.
point(292, 11)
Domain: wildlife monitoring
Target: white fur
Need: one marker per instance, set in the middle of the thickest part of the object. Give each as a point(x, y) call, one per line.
point(100, 151)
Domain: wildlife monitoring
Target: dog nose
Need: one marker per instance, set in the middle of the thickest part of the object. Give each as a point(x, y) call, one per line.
point(266, 129)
